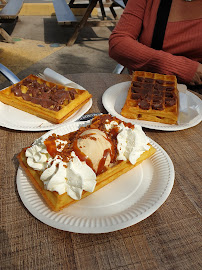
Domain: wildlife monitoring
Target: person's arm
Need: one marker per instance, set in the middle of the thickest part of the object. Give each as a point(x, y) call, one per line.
point(126, 50)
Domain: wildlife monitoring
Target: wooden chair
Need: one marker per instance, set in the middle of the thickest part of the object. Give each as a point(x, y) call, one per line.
point(8, 14)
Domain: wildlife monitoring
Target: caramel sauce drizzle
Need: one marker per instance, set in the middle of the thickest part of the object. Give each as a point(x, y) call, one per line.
point(51, 146)
point(101, 165)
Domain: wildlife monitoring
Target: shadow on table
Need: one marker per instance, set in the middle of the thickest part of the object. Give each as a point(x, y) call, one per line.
point(55, 33)
point(6, 251)
point(8, 27)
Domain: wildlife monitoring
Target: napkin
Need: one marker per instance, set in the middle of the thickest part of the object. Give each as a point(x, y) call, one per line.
point(55, 77)
point(188, 108)
point(182, 97)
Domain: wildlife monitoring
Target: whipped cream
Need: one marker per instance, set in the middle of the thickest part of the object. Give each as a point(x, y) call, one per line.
point(72, 177)
point(80, 177)
point(55, 177)
point(37, 156)
point(131, 143)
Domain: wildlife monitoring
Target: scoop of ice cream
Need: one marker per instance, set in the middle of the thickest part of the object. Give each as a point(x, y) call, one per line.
point(94, 148)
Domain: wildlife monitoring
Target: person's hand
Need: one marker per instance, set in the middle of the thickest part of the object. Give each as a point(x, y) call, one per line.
point(197, 79)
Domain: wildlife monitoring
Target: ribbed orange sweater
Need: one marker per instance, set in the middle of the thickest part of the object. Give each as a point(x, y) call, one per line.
point(130, 41)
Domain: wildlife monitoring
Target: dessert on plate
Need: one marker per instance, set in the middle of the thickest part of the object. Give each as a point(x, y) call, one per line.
point(47, 100)
point(152, 97)
point(66, 168)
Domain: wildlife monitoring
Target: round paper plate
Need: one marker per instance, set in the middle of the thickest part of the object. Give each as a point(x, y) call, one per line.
point(126, 201)
point(190, 109)
point(13, 118)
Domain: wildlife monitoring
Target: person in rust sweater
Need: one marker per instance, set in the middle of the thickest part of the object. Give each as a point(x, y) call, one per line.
point(130, 43)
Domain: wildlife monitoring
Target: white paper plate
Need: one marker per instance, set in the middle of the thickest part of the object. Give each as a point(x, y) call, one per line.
point(126, 201)
point(190, 110)
point(13, 118)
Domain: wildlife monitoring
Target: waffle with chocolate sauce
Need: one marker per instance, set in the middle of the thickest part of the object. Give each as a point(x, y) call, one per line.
point(106, 175)
point(47, 100)
point(152, 97)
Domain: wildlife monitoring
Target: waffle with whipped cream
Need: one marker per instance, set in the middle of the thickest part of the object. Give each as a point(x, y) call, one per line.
point(152, 97)
point(67, 168)
point(47, 100)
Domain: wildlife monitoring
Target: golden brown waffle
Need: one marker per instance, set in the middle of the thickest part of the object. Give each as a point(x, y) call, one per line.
point(152, 97)
point(47, 100)
point(57, 202)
